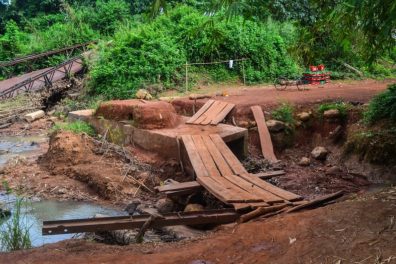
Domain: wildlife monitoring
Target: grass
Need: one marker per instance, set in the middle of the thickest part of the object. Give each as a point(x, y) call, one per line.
point(340, 106)
point(14, 234)
point(284, 113)
point(77, 127)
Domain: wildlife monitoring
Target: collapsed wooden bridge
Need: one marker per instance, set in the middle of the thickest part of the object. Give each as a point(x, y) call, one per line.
point(219, 171)
point(216, 169)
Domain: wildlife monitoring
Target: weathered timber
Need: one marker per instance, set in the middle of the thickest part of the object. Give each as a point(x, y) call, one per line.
point(269, 174)
point(260, 211)
point(200, 112)
point(131, 222)
point(318, 201)
point(265, 137)
point(191, 185)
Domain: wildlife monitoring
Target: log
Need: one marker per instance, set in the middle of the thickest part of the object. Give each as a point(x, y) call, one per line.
point(269, 174)
point(260, 211)
point(353, 69)
point(317, 201)
point(34, 116)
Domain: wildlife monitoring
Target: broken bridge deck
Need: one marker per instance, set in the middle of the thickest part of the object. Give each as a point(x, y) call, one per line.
point(219, 171)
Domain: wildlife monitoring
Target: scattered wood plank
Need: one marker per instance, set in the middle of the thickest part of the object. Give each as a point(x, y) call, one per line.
point(221, 116)
point(269, 174)
point(260, 211)
point(231, 159)
point(191, 185)
point(212, 112)
point(276, 191)
point(195, 159)
point(131, 222)
point(317, 202)
point(200, 112)
point(265, 137)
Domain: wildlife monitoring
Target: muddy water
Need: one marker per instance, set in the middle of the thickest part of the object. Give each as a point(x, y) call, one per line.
point(22, 146)
point(34, 212)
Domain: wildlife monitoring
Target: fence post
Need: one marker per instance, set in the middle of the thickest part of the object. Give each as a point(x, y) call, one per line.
point(186, 77)
point(243, 72)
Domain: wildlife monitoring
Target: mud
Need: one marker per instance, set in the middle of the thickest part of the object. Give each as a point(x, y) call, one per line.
point(143, 114)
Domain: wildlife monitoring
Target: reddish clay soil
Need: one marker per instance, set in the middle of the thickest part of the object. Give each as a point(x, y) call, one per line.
point(145, 114)
point(359, 230)
point(74, 168)
point(268, 96)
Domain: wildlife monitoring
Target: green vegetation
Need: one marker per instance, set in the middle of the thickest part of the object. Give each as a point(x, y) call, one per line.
point(340, 106)
point(14, 233)
point(75, 127)
point(382, 106)
point(284, 113)
point(278, 38)
point(376, 145)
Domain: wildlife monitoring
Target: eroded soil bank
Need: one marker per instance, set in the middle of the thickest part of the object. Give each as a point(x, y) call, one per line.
point(359, 230)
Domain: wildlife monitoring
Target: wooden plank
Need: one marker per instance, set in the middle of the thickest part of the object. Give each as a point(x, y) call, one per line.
point(178, 186)
point(220, 117)
point(137, 221)
point(283, 194)
point(232, 161)
point(317, 201)
point(265, 138)
point(220, 192)
point(205, 156)
point(195, 159)
point(202, 110)
point(221, 164)
point(227, 172)
point(207, 113)
point(260, 211)
point(216, 109)
point(264, 195)
point(269, 174)
point(215, 174)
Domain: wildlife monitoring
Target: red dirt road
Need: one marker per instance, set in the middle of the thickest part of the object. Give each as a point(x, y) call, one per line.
point(268, 96)
point(354, 231)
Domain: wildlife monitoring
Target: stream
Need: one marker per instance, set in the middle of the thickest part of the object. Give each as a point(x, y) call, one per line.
point(34, 212)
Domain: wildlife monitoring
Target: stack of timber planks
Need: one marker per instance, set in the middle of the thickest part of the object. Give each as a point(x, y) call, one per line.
point(212, 112)
point(219, 171)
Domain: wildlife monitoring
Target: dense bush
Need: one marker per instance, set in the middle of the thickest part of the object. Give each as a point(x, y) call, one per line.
point(382, 106)
point(136, 57)
point(156, 52)
point(284, 113)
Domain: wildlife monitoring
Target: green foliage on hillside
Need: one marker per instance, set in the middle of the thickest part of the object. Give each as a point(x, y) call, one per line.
point(144, 53)
point(382, 106)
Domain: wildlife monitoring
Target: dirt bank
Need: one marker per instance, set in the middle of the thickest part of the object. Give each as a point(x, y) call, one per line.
point(359, 230)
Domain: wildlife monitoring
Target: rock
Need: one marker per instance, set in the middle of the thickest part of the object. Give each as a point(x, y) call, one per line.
point(199, 96)
point(304, 116)
point(304, 161)
point(243, 123)
point(319, 153)
point(132, 207)
point(165, 205)
point(332, 113)
point(34, 116)
point(143, 94)
point(333, 170)
point(193, 208)
point(275, 125)
point(4, 211)
point(61, 191)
